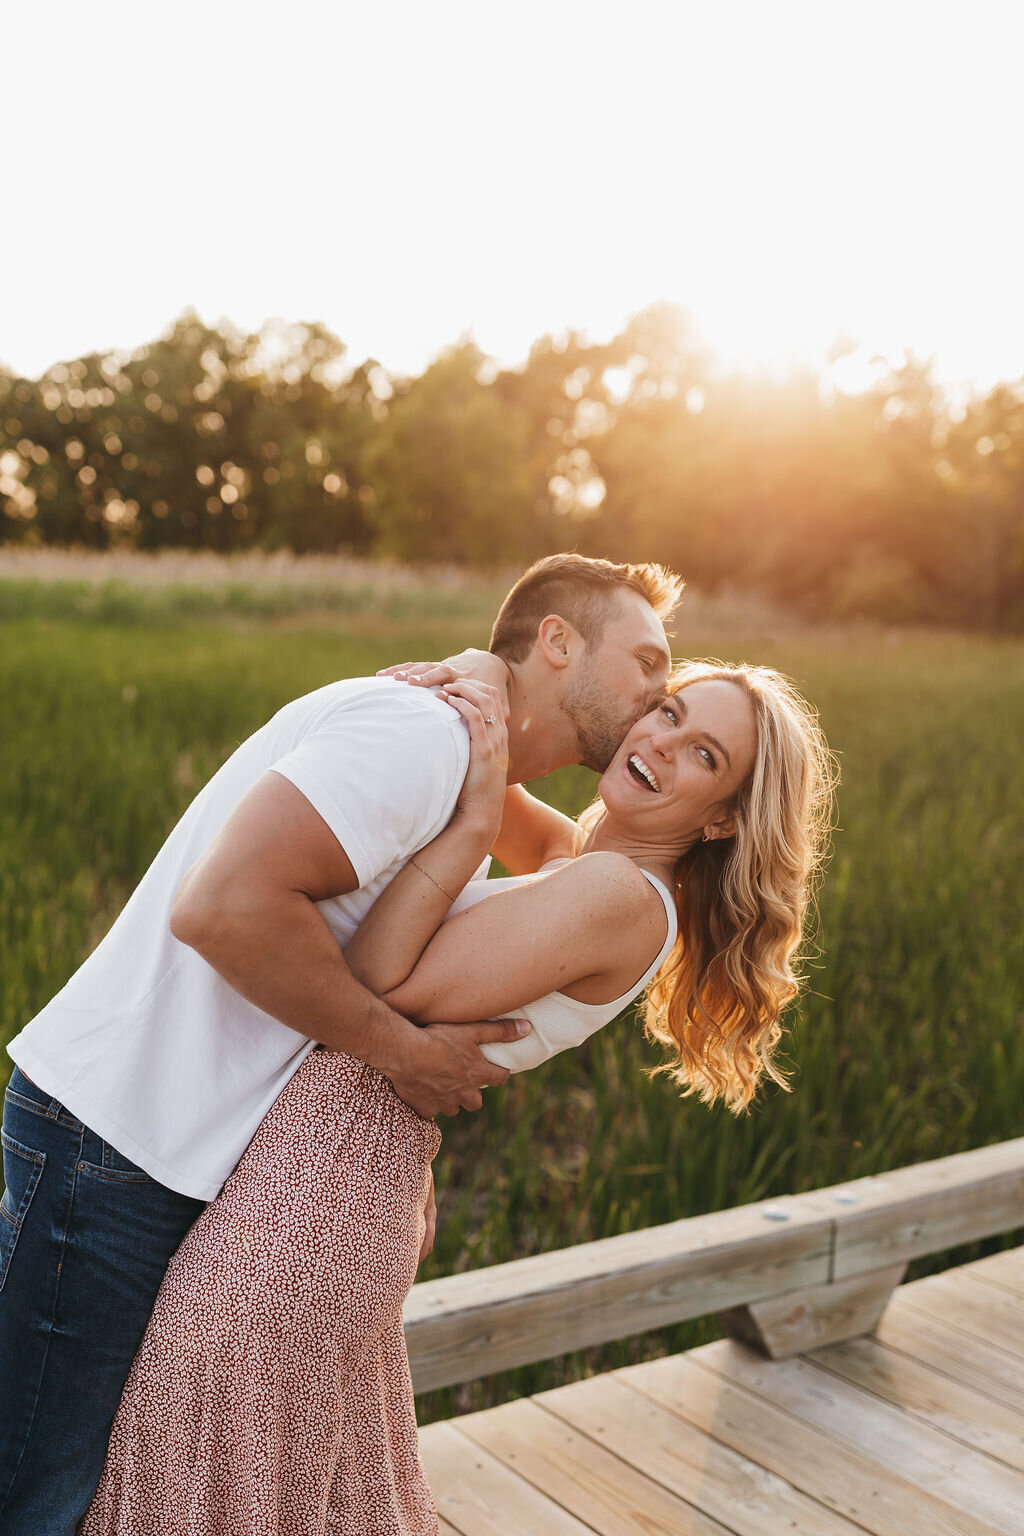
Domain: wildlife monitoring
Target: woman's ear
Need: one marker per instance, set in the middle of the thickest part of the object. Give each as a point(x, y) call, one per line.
point(722, 827)
point(555, 636)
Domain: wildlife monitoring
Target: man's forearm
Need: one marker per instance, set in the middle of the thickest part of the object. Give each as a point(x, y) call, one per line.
point(248, 907)
point(277, 951)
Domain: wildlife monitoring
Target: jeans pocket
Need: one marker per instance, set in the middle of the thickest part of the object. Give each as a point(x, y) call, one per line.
point(115, 1167)
point(23, 1168)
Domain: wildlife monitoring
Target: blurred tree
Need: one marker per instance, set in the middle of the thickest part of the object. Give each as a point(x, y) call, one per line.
point(888, 503)
point(652, 454)
point(985, 460)
point(562, 394)
point(203, 439)
point(450, 466)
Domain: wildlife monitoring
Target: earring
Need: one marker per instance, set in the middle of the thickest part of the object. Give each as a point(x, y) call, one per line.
point(709, 836)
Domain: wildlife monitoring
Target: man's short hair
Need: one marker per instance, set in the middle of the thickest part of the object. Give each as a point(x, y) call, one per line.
point(581, 590)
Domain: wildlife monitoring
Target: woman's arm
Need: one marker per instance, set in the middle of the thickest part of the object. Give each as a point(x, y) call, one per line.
point(532, 833)
point(596, 917)
point(402, 920)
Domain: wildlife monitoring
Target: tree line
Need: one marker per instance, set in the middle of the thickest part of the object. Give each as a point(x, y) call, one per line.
point(891, 502)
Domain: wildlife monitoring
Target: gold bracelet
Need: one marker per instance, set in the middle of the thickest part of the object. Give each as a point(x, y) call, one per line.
point(431, 879)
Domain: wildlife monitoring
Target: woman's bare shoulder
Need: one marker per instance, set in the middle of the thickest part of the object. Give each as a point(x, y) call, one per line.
point(614, 917)
point(609, 882)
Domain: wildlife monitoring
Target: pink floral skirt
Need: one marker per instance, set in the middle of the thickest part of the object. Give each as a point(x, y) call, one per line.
point(271, 1394)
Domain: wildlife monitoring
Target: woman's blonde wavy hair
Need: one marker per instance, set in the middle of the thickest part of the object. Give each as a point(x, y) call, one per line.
point(742, 902)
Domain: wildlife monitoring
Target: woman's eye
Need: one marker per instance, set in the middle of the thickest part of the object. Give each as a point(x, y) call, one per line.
point(708, 756)
point(670, 714)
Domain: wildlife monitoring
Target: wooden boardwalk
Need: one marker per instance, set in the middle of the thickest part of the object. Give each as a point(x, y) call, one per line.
point(915, 1430)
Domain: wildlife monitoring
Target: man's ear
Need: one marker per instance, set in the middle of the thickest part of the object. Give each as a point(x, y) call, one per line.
point(556, 640)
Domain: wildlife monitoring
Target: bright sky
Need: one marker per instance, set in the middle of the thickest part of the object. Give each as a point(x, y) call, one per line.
point(409, 172)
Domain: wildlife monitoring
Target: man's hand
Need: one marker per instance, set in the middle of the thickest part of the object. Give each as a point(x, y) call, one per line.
point(475, 666)
point(429, 1219)
point(441, 1069)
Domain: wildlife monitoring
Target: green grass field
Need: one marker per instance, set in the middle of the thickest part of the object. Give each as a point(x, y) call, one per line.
point(908, 1045)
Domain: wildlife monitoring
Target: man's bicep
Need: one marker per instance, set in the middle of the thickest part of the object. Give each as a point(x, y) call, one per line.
point(274, 836)
point(384, 778)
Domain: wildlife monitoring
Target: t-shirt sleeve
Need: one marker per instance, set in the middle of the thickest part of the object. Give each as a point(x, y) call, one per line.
point(383, 773)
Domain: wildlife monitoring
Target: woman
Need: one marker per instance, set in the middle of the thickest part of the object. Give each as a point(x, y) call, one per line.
point(271, 1392)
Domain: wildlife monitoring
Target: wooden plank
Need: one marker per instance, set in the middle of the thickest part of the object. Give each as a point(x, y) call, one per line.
point(444, 1529)
point(486, 1320)
point(839, 1476)
point(946, 1348)
point(1005, 1269)
point(789, 1325)
point(480, 1497)
point(982, 1311)
point(958, 1410)
point(585, 1478)
point(961, 1476)
point(927, 1207)
point(730, 1483)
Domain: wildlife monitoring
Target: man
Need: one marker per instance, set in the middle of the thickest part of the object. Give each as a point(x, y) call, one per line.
point(139, 1086)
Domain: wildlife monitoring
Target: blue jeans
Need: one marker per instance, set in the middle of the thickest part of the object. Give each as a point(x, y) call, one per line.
point(85, 1238)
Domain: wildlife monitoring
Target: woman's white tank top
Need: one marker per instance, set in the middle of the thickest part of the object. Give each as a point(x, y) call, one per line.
point(560, 1022)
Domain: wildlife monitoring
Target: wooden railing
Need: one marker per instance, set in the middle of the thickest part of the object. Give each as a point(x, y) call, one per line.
point(787, 1274)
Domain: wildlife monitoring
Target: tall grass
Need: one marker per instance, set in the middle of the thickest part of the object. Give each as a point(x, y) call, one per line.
point(907, 1045)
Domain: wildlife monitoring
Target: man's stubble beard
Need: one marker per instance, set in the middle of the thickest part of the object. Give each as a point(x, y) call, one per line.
point(600, 722)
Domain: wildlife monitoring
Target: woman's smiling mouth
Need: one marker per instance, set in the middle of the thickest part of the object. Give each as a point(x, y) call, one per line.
point(642, 773)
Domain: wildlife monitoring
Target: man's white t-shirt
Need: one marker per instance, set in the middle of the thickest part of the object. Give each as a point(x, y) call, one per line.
point(147, 1044)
